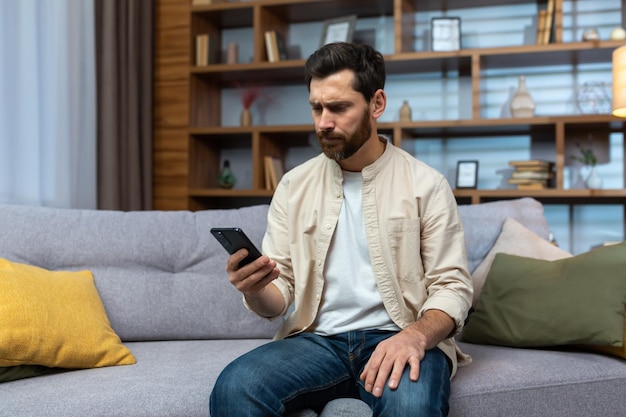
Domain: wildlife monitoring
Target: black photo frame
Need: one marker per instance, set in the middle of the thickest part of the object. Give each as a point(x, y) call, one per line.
point(467, 174)
point(445, 34)
point(340, 29)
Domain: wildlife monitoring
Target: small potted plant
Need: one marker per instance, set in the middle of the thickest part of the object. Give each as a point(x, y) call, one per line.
point(588, 158)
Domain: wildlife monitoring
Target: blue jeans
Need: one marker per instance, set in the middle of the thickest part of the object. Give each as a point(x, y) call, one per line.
point(308, 371)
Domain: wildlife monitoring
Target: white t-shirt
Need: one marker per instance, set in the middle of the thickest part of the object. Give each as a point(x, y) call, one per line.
point(351, 300)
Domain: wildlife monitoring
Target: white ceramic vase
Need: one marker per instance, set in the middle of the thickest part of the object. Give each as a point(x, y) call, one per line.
point(593, 181)
point(405, 112)
point(522, 104)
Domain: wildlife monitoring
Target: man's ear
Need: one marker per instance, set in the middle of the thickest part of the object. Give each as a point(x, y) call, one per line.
point(378, 103)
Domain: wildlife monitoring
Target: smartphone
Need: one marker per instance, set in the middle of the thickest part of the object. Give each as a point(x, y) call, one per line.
point(233, 239)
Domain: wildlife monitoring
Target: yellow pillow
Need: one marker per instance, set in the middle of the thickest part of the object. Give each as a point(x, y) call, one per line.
point(55, 319)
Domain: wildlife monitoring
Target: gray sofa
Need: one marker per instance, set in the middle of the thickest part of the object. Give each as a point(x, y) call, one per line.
point(161, 278)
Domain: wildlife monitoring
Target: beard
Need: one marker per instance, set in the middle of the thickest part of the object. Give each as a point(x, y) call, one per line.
point(346, 146)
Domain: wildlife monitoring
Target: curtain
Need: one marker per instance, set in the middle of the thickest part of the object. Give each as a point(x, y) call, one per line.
point(124, 45)
point(47, 103)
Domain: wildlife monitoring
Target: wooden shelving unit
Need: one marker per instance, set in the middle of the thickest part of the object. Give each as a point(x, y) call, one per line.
point(205, 139)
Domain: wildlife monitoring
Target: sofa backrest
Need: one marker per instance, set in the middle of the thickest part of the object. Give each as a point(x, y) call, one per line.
point(483, 224)
point(160, 274)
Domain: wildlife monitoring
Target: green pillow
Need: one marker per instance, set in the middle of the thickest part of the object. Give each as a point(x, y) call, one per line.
point(529, 302)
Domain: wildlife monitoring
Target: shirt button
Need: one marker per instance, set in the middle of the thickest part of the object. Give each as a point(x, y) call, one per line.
point(327, 226)
point(338, 195)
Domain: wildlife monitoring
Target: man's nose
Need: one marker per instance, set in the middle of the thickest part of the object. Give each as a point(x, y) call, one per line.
point(326, 121)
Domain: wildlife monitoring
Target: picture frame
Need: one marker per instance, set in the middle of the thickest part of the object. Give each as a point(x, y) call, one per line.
point(340, 29)
point(445, 34)
point(467, 174)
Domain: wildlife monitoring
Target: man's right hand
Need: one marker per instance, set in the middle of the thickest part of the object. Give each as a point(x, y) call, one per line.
point(253, 281)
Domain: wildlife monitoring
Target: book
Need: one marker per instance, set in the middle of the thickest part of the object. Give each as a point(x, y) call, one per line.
point(541, 26)
point(531, 163)
point(202, 57)
point(205, 50)
point(275, 46)
point(531, 186)
point(547, 32)
point(528, 184)
point(271, 46)
point(537, 168)
point(532, 175)
point(203, 2)
point(281, 46)
point(267, 168)
point(279, 170)
point(274, 171)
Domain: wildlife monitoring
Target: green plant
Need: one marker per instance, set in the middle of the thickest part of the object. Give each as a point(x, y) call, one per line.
point(587, 156)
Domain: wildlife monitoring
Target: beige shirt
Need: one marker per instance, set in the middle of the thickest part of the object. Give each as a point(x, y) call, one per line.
point(414, 233)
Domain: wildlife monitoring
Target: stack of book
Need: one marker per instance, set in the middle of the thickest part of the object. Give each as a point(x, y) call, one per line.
point(202, 2)
point(533, 174)
point(274, 171)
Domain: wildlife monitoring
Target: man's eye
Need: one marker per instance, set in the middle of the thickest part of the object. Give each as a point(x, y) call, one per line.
point(338, 108)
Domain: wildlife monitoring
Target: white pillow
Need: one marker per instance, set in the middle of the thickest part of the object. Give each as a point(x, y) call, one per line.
point(515, 239)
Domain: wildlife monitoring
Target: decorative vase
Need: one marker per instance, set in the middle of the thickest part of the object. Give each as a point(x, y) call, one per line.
point(227, 178)
point(232, 53)
point(522, 104)
point(591, 35)
point(593, 181)
point(594, 97)
point(405, 112)
point(246, 118)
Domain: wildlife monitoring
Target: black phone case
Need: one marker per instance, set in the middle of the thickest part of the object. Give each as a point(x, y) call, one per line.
point(233, 239)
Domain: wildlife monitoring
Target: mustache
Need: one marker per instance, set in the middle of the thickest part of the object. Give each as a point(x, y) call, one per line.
point(327, 134)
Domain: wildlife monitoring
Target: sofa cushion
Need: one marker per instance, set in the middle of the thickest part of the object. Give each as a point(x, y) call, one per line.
point(175, 378)
point(504, 381)
point(483, 224)
point(171, 378)
point(515, 239)
point(54, 319)
point(160, 274)
point(529, 302)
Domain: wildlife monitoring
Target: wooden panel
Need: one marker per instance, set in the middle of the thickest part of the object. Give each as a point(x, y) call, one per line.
point(168, 140)
point(171, 104)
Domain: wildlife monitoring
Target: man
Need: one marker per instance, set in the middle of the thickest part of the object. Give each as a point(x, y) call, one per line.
point(367, 243)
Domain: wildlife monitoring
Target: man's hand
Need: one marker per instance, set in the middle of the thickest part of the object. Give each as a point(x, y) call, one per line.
point(408, 346)
point(253, 281)
point(391, 356)
point(250, 279)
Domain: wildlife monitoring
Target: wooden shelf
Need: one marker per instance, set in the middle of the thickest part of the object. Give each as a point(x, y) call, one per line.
point(551, 196)
point(515, 56)
point(192, 131)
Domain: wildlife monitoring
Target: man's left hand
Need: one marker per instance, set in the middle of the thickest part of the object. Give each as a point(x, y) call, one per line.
point(391, 356)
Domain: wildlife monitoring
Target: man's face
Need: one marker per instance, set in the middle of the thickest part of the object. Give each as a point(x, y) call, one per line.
point(341, 115)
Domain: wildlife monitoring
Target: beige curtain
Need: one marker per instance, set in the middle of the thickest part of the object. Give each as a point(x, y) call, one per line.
point(124, 51)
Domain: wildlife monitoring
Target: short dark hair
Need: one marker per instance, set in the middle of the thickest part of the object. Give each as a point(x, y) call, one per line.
point(367, 64)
